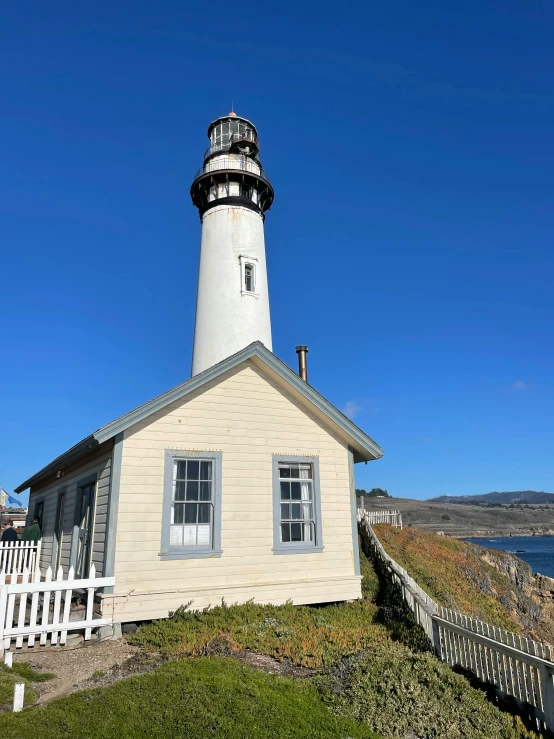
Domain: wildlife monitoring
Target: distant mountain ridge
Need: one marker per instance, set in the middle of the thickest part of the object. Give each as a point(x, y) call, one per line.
point(507, 498)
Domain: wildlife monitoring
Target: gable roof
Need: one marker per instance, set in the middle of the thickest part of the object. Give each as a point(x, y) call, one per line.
point(364, 447)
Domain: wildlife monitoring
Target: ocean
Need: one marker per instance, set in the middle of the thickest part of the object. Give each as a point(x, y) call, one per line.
point(537, 551)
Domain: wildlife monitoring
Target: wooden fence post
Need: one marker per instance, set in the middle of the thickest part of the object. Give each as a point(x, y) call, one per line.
point(547, 696)
point(18, 697)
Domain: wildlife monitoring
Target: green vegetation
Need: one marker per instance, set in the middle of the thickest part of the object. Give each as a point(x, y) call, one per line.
point(20, 672)
point(303, 635)
point(206, 697)
point(373, 493)
point(452, 572)
point(399, 693)
point(367, 684)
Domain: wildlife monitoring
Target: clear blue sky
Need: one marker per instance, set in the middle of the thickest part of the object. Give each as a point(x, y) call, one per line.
point(410, 243)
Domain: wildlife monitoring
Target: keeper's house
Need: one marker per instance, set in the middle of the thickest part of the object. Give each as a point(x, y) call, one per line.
point(237, 484)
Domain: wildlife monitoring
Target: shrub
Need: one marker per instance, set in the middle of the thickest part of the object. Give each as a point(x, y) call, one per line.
point(312, 636)
point(398, 693)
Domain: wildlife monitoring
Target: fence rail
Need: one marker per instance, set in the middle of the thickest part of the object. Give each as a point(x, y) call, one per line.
point(16, 556)
point(32, 607)
point(394, 518)
point(516, 666)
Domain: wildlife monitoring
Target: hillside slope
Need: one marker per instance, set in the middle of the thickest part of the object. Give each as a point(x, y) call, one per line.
point(506, 498)
point(490, 585)
point(471, 520)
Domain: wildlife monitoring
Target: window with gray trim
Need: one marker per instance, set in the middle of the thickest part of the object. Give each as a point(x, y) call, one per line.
point(297, 510)
point(191, 525)
point(192, 507)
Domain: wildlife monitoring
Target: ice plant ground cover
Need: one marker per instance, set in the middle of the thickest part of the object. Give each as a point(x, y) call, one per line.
point(489, 585)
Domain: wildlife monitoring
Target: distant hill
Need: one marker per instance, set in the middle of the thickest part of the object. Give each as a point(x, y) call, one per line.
point(517, 496)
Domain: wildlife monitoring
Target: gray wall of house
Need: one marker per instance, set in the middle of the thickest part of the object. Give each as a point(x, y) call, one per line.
point(99, 466)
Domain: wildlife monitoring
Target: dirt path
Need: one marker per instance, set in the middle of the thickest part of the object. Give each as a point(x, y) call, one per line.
point(75, 667)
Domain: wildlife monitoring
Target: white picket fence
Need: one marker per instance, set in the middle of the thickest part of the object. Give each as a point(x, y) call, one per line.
point(516, 666)
point(32, 608)
point(16, 556)
point(394, 518)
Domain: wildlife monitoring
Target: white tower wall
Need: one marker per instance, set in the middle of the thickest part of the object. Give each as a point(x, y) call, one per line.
point(232, 193)
point(228, 318)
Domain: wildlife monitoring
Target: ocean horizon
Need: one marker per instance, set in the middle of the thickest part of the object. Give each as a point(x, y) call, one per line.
point(537, 551)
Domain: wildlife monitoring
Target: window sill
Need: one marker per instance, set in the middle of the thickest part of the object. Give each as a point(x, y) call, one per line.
point(252, 295)
point(190, 554)
point(298, 550)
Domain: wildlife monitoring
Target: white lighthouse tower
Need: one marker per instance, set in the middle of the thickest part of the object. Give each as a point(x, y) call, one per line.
point(232, 193)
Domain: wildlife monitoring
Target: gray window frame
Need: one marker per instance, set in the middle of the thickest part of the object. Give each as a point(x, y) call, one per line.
point(295, 547)
point(190, 551)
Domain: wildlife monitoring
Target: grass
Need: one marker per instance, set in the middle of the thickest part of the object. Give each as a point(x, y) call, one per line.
point(207, 697)
point(20, 672)
point(453, 574)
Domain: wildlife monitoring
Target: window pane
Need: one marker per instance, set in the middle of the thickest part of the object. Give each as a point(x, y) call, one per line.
point(285, 490)
point(179, 491)
point(296, 513)
point(189, 536)
point(296, 492)
point(204, 512)
point(190, 512)
point(193, 469)
point(294, 472)
point(204, 537)
point(284, 470)
point(205, 470)
point(285, 532)
point(181, 470)
point(176, 536)
point(285, 513)
point(178, 513)
point(192, 489)
point(205, 491)
point(296, 532)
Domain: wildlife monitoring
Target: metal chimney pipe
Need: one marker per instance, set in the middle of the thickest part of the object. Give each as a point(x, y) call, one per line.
point(302, 363)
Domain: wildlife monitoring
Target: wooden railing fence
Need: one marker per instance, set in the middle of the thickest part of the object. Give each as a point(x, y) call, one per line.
point(394, 518)
point(516, 666)
point(16, 556)
point(31, 607)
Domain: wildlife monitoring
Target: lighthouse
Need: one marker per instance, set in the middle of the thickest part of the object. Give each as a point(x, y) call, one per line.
point(232, 193)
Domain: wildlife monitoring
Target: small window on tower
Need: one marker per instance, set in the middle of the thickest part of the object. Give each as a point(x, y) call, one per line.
point(248, 275)
point(249, 278)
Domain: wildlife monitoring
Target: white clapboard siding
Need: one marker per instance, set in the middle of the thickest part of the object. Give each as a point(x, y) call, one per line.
point(515, 665)
point(28, 610)
point(16, 556)
point(248, 417)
